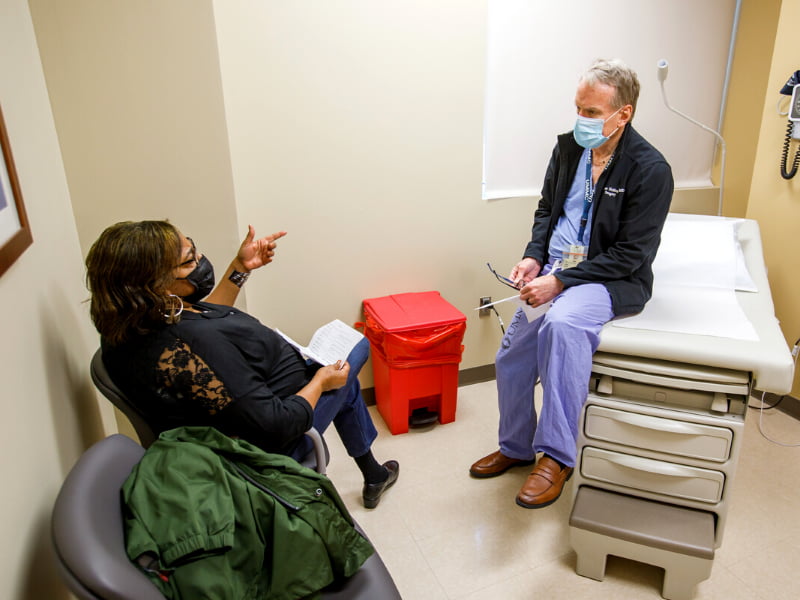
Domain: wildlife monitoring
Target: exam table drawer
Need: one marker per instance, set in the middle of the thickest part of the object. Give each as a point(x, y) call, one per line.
point(655, 476)
point(671, 436)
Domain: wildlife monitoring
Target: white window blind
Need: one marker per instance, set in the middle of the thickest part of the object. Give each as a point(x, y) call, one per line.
point(537, 49)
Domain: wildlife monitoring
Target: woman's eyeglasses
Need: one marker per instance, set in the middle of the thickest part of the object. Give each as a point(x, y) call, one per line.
point(501, 279)
point(192, 257)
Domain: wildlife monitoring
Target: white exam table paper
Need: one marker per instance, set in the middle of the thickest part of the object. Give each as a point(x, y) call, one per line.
point(769, 359)
point(693, 310)
point(695, 273)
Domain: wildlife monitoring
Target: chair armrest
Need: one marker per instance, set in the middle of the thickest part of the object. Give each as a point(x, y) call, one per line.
point(319, 450)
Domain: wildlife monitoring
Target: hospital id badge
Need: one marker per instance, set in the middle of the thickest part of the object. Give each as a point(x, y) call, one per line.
point(574, 256)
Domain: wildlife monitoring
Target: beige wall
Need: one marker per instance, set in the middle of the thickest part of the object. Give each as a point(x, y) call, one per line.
point(137, 101)
point(357, 127)
point(775, 202)
point(135, 90)
point(50, 411)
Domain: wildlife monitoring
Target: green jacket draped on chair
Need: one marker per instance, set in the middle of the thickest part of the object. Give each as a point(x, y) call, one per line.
point(217, 517)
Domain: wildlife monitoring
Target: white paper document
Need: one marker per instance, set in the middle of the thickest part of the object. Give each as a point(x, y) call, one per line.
point(496, 302)
point(331, 342)
point(534, 312)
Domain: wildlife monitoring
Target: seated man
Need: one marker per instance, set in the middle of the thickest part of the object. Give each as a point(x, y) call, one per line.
point(591, 256)
point(182, 361)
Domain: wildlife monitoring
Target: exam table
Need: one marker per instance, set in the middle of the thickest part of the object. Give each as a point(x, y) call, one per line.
point(662, 427)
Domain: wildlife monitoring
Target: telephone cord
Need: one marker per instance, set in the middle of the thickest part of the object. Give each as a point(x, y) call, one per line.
point(785, 156)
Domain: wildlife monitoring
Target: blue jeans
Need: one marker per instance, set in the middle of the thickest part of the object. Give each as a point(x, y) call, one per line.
point(345, 408)
point(557, 347)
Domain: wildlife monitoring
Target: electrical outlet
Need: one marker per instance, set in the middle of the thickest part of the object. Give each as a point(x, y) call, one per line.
point(485, 312)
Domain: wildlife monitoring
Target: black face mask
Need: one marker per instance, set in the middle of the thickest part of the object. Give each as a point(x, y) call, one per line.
point(202, 278)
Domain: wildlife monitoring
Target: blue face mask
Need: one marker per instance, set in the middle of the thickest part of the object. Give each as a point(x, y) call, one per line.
point(589, 132)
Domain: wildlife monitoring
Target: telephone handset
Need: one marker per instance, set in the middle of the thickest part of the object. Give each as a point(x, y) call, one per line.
point(794, 108)
point(792, 88)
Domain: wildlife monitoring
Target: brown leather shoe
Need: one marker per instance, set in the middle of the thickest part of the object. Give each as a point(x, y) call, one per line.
point(544, 484)
point(495, 464)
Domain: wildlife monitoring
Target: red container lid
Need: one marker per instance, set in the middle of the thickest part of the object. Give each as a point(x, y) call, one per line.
point(414, 310)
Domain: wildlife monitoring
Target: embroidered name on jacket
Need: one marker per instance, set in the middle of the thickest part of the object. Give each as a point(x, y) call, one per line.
point(612, 191)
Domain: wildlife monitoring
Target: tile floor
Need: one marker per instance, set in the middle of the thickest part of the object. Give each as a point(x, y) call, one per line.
point(446, 536)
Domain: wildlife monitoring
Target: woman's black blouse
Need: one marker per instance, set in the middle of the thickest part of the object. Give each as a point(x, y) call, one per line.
point(222, 368)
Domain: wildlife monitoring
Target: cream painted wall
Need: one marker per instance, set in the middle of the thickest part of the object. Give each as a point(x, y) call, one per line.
point(50, 410)
point(775, 202)
point(136, 96)
point(357, 127)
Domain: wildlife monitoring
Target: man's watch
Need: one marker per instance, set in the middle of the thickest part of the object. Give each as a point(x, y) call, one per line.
point(238, 278)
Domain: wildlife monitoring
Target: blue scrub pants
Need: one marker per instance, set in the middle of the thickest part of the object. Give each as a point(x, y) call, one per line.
point(345, 408)
point(557, 348)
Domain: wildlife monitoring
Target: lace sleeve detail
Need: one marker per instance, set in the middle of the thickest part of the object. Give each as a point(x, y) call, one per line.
point(187, 376)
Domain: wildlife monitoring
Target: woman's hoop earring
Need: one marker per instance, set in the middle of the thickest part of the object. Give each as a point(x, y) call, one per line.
point(172, 316)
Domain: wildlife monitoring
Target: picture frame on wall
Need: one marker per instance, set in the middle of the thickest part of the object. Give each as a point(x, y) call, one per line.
point(15, 232)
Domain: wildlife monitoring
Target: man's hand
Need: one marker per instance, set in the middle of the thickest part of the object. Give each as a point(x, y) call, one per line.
point(541, 290)
point(525, 271)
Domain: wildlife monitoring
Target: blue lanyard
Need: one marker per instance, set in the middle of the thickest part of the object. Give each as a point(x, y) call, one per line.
point(588, 196)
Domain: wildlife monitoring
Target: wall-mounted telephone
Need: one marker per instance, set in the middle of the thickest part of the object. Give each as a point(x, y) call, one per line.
point(792, 88)
point(794, 108)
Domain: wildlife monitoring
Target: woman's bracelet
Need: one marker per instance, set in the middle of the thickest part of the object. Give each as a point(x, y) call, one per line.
point(238, 278)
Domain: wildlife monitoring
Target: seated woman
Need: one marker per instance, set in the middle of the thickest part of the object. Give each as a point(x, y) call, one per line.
point(183, 361)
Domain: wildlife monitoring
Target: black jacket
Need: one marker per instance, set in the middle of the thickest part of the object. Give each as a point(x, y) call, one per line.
point(627, 221)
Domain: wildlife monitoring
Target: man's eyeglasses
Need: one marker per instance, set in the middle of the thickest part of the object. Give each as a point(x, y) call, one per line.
point(501, 279)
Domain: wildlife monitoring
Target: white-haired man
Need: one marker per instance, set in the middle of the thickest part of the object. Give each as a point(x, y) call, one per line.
point(596, 230)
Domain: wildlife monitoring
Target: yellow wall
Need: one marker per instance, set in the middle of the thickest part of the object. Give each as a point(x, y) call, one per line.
point(775, 202)
point(758, 22)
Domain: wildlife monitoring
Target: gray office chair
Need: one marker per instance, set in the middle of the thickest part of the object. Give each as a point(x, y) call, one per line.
point(102, 380)
point(87, 534)
point(317, 459)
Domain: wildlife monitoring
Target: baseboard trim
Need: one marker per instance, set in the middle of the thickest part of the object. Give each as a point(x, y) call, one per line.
point(465, 377)
point(476, 375)
point(369, 396)
point(786, 404)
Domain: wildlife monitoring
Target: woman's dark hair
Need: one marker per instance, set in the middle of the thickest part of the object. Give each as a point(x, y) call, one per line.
point(128, 270)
